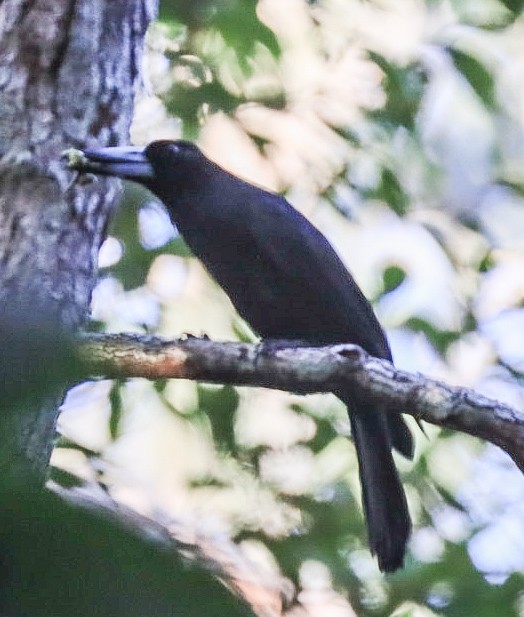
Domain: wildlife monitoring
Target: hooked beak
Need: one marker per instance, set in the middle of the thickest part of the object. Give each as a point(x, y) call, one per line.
point(127, 162)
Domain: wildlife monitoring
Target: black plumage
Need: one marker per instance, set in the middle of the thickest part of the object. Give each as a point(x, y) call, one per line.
point(287, 282)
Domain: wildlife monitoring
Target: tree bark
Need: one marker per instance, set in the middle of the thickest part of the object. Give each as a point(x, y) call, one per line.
point(308, 370)
point(68, 71)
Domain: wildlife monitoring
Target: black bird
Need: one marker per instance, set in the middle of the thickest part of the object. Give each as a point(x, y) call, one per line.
point(287, 282)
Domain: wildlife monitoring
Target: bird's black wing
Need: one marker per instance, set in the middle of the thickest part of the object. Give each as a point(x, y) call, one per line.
point(286, 280)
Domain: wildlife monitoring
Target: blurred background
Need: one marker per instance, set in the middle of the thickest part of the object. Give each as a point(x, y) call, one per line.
point(398, 129)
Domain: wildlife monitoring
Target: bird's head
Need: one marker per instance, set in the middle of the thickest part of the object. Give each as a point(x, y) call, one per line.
point(174, 152)
point(159, 162)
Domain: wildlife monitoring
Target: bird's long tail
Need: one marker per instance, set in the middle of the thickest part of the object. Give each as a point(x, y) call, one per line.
point(384, 500)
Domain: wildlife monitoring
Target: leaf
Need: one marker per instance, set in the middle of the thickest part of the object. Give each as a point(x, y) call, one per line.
point(404, 88)
point(236, 20)
point(64, 478)
point(220, 404)
point(391, 191)
point(325, 432)
point(518, 187)
point(477, 75)
point(115, 398)
point(440, 339)
point(515, 6)
point(241, 28)
point(64, 442)
point(192, 14)
point(487, 263)
point(393, 277)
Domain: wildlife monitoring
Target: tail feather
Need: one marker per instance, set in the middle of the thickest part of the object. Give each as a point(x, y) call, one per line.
point(384, 500)
point(401, 437)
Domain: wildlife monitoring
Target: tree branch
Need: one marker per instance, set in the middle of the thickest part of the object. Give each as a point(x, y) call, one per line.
point(267, 593)
point(307, 370)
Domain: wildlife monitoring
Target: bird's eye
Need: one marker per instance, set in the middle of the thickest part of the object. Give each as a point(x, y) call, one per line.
point(175, 148)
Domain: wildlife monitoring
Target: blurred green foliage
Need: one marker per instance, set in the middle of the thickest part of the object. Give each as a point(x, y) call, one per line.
point(477, 75)
point(404, 88)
